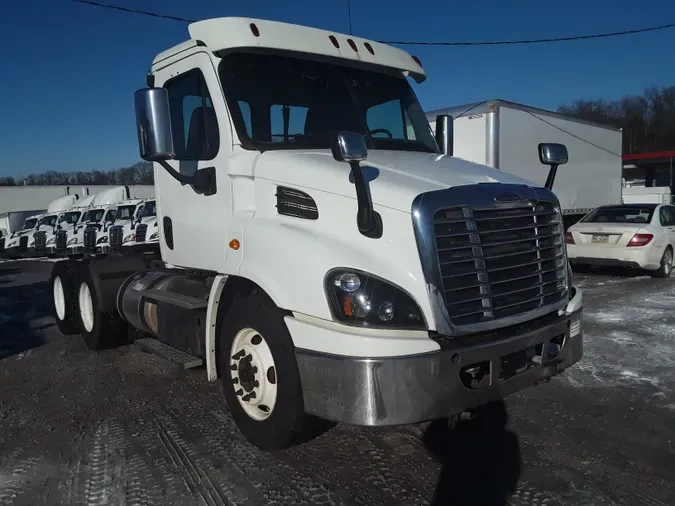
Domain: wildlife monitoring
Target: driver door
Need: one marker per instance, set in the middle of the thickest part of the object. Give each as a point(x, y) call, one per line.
point(193, 225)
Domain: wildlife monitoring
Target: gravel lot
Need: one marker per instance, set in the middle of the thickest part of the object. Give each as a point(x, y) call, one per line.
point(125, 427)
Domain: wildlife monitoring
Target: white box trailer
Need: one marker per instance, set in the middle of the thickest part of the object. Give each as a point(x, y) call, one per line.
point(505, 135)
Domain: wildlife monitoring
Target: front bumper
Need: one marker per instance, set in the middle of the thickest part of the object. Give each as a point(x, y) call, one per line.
point(417, 388)
point(648, 257)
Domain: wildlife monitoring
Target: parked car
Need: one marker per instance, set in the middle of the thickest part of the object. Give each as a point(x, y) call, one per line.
point(636, 236)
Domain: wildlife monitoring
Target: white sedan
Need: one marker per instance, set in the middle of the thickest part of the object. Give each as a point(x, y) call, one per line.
point(636, 236)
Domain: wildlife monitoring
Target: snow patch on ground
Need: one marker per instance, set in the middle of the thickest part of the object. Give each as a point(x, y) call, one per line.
point(629, 345)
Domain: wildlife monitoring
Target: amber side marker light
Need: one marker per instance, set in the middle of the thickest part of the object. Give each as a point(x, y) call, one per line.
point(234, 244)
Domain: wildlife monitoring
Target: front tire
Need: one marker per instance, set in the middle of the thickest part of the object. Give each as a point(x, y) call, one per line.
point(259, 371)
point(666, 267)
point(63, 283)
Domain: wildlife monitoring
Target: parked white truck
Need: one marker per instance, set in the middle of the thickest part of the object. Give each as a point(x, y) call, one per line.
point(504, 135)
point(12, 222)
point(23, 244)
point(319, 252)
point(67, 221)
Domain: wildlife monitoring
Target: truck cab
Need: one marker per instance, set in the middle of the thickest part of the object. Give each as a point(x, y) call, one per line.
point(320, 250)
point(140, 227)
point(96, 220)
point(68, 219)
point(16, 245)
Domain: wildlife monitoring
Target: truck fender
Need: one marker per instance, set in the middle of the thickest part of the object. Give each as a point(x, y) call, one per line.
point(212, 326)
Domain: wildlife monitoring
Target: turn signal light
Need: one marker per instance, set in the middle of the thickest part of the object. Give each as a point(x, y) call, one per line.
point(569, 239)
point(640, 240)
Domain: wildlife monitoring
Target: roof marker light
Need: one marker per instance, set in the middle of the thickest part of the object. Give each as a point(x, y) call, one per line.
point(334, 41)
point(369, 48)
point(352, 44)
point(417, 60)
point(254, 29)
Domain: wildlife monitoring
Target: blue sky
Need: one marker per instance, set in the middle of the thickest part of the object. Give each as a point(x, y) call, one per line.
point(69, 70)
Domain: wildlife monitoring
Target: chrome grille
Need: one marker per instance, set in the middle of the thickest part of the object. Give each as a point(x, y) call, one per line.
point(141, 232)
point(115, 235)
point(497, 262)
point(90, 234)
point(61, 240)
point(40, 239)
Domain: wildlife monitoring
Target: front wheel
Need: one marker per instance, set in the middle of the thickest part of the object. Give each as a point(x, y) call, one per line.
point(666, 267)
point(260, 376)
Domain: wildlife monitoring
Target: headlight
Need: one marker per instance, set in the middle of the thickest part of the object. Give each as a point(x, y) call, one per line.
point(129, 238)
point(72, 241)
point(101, 240)
point(153, 236)
point(51, 241)
point(361, 299)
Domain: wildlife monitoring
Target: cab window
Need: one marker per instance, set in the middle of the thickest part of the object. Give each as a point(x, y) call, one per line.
point(193, 117)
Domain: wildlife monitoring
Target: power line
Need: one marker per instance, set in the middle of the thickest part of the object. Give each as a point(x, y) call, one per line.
point(417, 43)
point(133, 11)
point(533, 41)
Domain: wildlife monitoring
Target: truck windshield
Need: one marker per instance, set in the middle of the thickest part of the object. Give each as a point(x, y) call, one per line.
point(620, 214)
point(48, 221)
point(71, 218)
point(281, 102)
point(93, 215)
point(148, 210)
point(29, 223)
point(126, 212)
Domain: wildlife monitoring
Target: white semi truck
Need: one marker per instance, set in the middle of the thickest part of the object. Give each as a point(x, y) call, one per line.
point(23, 243)
point(319, 251)
point(504, 135)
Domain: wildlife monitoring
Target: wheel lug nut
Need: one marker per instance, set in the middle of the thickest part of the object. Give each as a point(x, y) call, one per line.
point(256, 384)
point(233, 367)
point(254, 369)
point(239, 392)
point(235, 380)
point(238, 355)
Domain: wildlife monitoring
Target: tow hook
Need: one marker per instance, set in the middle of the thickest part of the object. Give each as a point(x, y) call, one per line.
point(464, 416)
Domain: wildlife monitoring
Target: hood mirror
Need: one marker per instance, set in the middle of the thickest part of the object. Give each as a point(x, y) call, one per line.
point(553, 155)
point(351, 147)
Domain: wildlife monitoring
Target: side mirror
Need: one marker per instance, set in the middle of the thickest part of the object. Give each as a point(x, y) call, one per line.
point(553, 155)
point(445, 133)
point(153, 124)
point(350, 147)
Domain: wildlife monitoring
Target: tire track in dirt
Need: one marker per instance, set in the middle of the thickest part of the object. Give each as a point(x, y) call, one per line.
point(272, 480)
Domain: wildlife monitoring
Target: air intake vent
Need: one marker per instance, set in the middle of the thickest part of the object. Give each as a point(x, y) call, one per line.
point(295, 203)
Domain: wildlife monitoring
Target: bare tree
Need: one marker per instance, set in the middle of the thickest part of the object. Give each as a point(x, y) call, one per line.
point(648, 121)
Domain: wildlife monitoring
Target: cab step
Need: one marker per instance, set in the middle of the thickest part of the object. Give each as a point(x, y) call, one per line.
point(163, 350)
point(175, 299)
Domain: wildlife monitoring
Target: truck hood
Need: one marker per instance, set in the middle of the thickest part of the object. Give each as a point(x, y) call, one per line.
point(395, 177)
